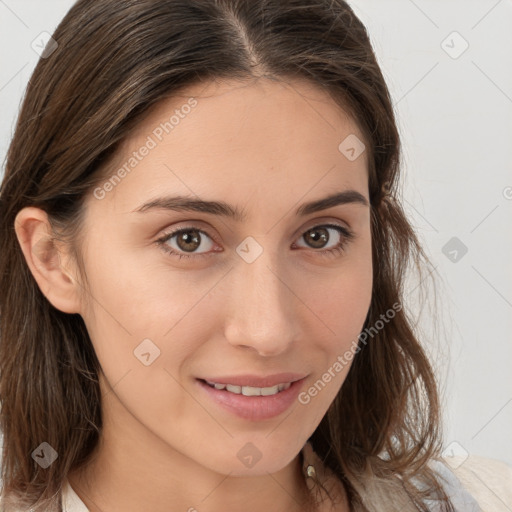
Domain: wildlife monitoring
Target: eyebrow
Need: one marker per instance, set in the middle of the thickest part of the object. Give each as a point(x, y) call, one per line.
point(184, 203)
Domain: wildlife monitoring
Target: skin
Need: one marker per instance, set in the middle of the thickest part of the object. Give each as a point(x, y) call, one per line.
point(265, 147)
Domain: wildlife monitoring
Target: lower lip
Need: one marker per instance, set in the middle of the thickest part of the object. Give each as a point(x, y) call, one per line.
point(254, 408)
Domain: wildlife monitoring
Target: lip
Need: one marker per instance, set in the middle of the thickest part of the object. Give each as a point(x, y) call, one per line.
point(255, 380)
point(253, 408)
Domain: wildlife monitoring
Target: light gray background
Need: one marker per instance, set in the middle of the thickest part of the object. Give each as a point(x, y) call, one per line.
point(455, 117)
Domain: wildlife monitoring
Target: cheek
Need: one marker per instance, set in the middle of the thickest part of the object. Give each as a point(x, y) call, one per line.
point(142, 326)
point(340, 305)
point(139, 293)
point(138, 308)
point(344, 314)
point(342, 297)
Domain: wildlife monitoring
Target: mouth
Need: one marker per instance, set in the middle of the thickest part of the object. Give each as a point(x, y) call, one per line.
point(250, 390)
point(252, 402)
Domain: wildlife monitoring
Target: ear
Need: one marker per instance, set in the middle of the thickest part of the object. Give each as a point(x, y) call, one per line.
point(46, 262)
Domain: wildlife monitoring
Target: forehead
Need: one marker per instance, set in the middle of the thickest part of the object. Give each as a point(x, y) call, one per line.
point(239, 139)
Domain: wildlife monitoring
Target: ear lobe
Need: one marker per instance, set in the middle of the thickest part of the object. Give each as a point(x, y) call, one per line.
point(45, 260)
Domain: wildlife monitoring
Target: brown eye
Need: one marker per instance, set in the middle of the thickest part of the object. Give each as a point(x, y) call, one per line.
point(186, 240)
point(319, 236)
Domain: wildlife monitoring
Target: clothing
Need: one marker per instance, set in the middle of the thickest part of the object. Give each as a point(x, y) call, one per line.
point(462, 500)
point(70, 500)
point(489, 481)
point(477, 484)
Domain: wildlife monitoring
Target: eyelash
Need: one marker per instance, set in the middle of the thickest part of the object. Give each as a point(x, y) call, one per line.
point(348, 236)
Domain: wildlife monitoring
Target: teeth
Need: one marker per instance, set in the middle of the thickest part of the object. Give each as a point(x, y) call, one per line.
point(269, 391)
point(233, 389)
point(250, 390)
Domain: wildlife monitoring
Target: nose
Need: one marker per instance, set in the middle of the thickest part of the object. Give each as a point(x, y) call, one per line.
point(264, 309)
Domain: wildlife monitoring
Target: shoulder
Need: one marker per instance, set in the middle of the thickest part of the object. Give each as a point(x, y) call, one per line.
point(476, 483)
point(489, 480)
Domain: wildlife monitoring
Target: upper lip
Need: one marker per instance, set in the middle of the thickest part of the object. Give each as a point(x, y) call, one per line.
point(256, 380)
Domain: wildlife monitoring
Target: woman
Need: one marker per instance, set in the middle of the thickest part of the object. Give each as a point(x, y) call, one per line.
point(203, 256)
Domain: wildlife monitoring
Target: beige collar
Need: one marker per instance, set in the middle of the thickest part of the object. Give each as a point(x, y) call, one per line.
point(70, 500)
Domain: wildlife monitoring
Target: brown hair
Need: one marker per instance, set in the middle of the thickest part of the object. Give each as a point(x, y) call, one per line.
point(116, 59)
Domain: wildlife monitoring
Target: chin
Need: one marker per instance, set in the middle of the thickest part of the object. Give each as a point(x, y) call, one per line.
point(253, 458)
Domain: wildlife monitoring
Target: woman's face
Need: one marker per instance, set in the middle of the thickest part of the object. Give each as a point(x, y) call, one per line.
point(247, 296)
